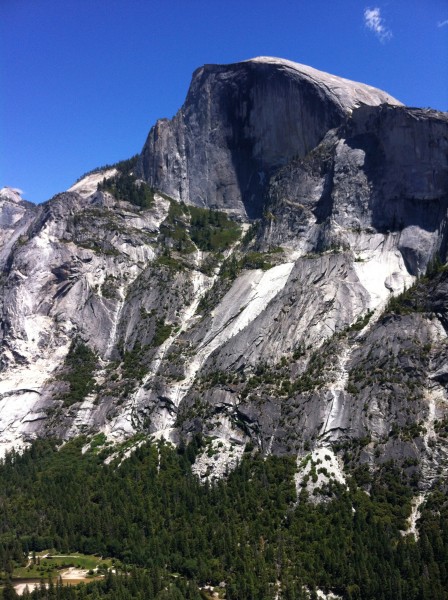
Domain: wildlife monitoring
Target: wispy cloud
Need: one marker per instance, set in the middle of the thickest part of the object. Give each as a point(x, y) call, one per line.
point(442, 23)
point(375, 22)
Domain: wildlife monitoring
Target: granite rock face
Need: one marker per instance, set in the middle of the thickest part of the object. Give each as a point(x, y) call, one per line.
point(15, 216)
point(384, 172)
point(239, 123)
point(316, 331)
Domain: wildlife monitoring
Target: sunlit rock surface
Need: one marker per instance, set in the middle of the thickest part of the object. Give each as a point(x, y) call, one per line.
point(241, 122)
point(279, 341)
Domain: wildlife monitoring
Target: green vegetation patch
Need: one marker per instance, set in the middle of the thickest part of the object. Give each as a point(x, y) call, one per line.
point(98, 442)
point(125, 187)
point(79, 367)
point(48, 563)
point(212, 230)
point(175, 228)
point(256, 260)
point(166, 260)
point(162, 332)
point(134, 365)
point(190, 227)
point(109, 288)
point(135, 361)
point(361, 322)
point(232, 267)
point(405, 303)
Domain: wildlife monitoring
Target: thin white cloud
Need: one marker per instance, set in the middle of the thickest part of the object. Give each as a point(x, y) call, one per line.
point(442, 23)
point(375, 22)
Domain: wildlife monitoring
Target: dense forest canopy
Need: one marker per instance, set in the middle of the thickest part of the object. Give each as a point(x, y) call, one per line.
point(250, 534)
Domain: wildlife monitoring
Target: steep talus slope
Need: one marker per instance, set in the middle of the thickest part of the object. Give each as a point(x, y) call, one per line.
point(296, 327)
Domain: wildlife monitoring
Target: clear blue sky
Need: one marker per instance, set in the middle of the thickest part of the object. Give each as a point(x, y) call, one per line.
point(82, 81)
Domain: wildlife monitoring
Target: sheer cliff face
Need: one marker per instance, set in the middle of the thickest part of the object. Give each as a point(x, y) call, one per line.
point(285, 337)
point(241, 122)
point(383, 173)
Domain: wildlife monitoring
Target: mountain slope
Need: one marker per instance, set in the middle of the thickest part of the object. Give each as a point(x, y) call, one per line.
point(129, 303)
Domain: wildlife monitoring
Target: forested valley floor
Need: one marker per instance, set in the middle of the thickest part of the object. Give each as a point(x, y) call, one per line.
point(249, 536)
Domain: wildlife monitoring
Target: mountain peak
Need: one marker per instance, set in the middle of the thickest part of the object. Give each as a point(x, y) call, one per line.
point(88, 184)
point(244, 118)
point(346, 92)
point(11, 194)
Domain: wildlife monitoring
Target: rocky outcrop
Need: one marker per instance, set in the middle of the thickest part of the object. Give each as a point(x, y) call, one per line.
point(15, 216)
point(385, 172)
